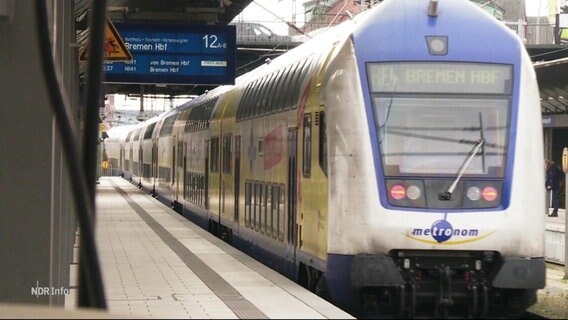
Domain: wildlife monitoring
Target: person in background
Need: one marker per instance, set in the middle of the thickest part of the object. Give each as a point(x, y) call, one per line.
point(553, 175)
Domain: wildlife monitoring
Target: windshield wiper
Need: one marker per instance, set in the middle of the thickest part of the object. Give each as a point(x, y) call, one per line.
point(446, 196)
point(383, 127)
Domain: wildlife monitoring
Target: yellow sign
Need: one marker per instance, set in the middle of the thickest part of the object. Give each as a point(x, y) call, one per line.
point(565, 159)
point(114, 48)
point(104, 165)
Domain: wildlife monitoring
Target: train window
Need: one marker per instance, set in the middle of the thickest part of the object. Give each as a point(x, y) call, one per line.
point(137, 135)
point(180, 154)
point(252, 209)
point(269, 210)
point(271, 93)
point(247, 203)
point(188, 192)
point(260, 148)
point(260, 105)
point(214, 165)
point(267, 95)
point(281, 213)
point(200, 189)
point(208, 113)
point(430, 135)
point(252, 99)
point(131, 160)
point(274, 91)
point(290, 99)
point(243, 104)
point(258, 101)
point(194, 187)
point(186, 185)
point(184, 118)
point(255, 90)
point(167, 126)
point(282, 85)
point(297, 82)
point(322, 154)
point(149, 131)
point(266, 212)
point(261, 208)
point(129, 136)
point(275, 197)
point(198, 118)
point(307, 143)
point(227, 153)
point(256, 205)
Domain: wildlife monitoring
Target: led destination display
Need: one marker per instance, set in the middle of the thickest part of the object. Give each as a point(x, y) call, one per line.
point(435, 77)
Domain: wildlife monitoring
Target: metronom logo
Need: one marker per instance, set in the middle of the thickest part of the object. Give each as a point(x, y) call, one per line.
point(48, 291)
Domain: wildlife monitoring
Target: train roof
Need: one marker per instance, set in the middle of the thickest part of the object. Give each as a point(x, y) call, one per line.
point(120, 132)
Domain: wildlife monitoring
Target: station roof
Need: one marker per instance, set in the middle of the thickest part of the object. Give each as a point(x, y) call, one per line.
point(189, 11)
point(198, 12)
point(553, 85)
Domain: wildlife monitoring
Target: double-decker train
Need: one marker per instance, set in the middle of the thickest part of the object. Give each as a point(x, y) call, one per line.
point(393, 164)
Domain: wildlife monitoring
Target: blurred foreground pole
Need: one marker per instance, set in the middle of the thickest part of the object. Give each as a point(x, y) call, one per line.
point(565, 169)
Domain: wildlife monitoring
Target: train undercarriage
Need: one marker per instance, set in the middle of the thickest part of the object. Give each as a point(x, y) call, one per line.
point(432, 284)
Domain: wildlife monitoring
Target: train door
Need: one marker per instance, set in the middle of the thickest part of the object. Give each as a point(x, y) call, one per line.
point(184, 172)
point(152, 164)
point(121, 160)
point(155, 161)
point(140, 163)
point(174, 144)
point(154, 173)
point(206, 187)
point(291, 213)
point(130, 160)
point(179, 169)
point(237, 177)
point(225, 173)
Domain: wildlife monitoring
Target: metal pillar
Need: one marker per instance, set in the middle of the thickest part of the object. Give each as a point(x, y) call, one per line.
point(565, 169)
point(37, 229)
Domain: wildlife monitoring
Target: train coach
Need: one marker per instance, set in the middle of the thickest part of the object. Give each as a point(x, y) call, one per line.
point(388, 164)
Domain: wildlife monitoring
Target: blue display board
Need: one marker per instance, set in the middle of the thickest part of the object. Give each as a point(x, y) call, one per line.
point(175, 54)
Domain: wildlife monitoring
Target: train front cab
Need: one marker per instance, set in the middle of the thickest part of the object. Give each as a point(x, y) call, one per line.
point(416, 160)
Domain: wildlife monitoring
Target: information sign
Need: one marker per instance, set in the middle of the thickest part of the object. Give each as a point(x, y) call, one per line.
point(175, 54)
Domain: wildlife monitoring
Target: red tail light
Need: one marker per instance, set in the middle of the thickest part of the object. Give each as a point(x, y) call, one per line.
point(397, 192)
point(489, 194)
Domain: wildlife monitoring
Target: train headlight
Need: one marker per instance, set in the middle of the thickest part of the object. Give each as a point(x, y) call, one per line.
point(413, 192)
point(473, 193)
point(437, 45)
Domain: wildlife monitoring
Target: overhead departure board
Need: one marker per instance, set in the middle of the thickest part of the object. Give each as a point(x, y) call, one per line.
point(175, 54)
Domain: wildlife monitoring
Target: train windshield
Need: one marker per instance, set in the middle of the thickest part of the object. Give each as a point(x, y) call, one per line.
point(430, 117)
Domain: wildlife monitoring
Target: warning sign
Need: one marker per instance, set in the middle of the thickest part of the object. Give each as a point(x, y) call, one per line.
point(114, 48)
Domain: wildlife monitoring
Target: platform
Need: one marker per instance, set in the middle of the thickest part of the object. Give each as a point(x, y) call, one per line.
point(157, 264)
point(555, 241)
